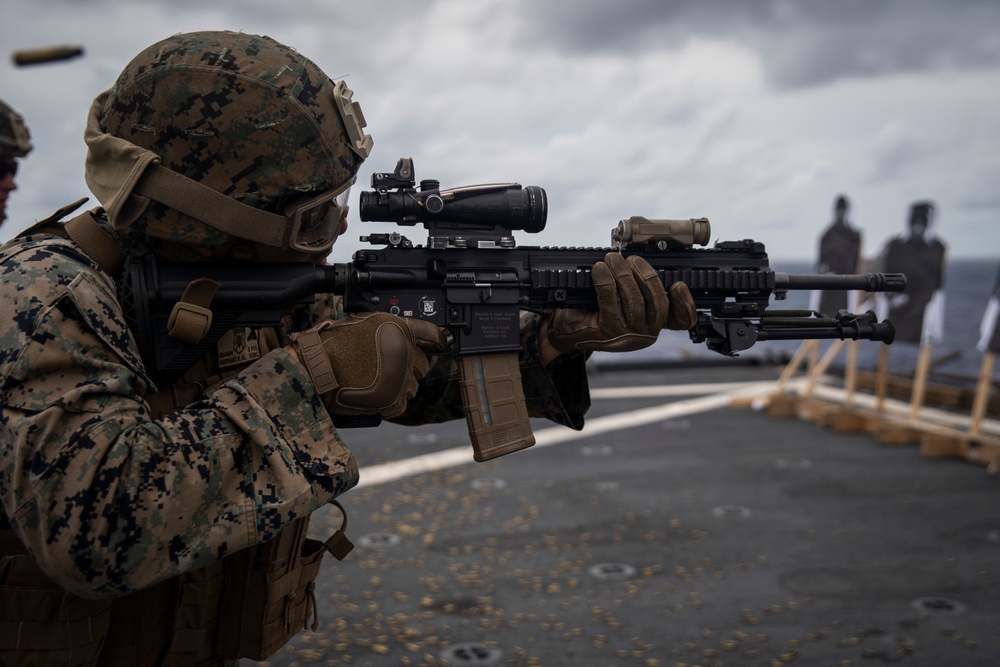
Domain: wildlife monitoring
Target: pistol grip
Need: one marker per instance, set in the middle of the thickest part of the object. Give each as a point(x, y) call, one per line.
point(493, 399)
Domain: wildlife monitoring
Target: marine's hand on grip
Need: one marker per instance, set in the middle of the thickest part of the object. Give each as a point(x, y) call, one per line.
point(368, 364)
point(632, 309)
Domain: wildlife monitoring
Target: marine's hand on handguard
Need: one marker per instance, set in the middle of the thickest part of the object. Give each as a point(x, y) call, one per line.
point(368, 364)
point(632, 309)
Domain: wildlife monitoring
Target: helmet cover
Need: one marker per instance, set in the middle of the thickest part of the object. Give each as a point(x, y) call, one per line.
point(15, 140)
point(242, 114)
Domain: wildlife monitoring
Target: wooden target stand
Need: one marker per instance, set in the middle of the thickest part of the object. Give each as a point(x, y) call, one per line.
point(888, 422)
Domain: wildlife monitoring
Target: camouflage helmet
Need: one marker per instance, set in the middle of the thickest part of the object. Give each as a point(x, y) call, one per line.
point(242, 114)
point(15, 140)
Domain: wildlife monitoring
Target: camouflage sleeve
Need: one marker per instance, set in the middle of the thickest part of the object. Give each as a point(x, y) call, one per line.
point(111, 501)
point(558, 392)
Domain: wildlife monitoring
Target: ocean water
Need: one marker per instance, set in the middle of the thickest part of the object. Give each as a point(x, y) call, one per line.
point(968, 286)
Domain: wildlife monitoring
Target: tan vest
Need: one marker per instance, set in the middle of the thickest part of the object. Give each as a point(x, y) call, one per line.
point(249, 604)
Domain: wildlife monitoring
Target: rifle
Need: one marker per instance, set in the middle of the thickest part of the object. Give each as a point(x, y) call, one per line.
point(472, 279)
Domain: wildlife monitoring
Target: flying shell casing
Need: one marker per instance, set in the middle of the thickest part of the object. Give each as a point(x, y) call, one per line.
point(45, 55)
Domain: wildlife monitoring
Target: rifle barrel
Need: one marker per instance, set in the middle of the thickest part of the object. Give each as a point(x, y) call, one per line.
point(868, 282)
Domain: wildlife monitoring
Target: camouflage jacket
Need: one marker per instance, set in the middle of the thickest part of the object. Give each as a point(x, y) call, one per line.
point(111, 500)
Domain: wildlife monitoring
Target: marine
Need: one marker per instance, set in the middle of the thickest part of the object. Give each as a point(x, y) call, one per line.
point(152, 522)
point(15, 143)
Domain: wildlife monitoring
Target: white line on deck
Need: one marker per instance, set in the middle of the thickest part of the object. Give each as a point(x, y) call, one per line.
point(719, 395)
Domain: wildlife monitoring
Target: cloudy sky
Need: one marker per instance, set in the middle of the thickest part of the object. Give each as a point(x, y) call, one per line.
point(755, 114)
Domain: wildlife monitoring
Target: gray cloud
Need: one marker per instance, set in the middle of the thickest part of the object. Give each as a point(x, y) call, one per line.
point(802, 43)
point(898, 151)
point(753, 113)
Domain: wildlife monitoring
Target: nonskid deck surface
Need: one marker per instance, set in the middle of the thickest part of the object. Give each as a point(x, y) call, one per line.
point(675, 530)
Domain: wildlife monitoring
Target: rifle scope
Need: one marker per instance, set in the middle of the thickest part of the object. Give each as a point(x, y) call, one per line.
point(505, 205)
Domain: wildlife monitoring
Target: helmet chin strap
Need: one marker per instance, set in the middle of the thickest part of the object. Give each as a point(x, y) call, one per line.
point(242, 251)
point(174, 251)
point(211, 207)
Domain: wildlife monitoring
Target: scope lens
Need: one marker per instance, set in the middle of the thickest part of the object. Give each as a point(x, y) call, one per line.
point(536, 210)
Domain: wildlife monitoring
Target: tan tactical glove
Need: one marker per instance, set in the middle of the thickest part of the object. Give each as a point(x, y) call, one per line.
point(368, 364)
point(632, 309)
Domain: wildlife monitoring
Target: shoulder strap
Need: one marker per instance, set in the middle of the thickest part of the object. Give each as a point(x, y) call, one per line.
point(84, 231)
point(50, 224)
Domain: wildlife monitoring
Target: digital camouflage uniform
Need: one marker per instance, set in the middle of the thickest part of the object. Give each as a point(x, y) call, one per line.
point(113, 493)
point(111, 500)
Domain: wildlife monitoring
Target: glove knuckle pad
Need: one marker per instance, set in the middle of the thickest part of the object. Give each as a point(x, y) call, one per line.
point(392, 353)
